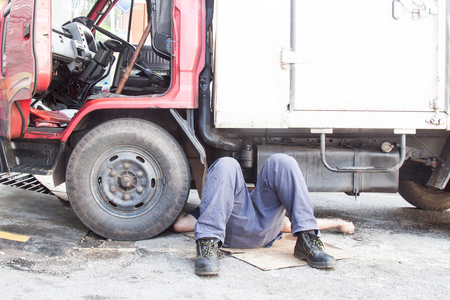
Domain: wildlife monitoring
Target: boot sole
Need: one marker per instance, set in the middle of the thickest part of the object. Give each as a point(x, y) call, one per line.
point(314, 264)
point(206, 272)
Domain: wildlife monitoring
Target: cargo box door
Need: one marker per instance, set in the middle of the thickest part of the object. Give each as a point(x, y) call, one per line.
point(25, 61)
point(371, 56)
point(250, 88)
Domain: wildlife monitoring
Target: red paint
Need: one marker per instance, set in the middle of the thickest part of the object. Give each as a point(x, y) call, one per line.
point(187, 63)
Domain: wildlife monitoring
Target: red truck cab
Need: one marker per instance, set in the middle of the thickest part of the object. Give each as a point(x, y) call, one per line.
point(48, 69)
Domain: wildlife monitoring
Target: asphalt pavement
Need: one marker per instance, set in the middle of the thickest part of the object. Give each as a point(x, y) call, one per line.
point(46, 253)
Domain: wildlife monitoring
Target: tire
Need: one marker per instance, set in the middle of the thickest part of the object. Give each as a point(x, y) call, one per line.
point(424, 197)
point(127, 179)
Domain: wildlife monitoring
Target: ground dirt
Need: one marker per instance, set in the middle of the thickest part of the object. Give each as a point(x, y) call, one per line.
point(403, 253)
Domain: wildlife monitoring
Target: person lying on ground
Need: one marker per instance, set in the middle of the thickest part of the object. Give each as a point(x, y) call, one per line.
point(232, 216)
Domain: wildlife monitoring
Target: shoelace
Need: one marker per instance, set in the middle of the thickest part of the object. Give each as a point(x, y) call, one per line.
point(316, 243)
point(206, 248)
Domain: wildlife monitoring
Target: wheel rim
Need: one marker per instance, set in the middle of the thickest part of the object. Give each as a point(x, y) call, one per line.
point(126, 181)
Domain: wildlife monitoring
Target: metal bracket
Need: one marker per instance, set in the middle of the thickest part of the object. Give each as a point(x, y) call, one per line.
point(5, 152)
point(26, 30)
point(441, 174)
point(188, 128)
point(362, 169)
point(436, 119)
point(290, 57)
point(321, 130)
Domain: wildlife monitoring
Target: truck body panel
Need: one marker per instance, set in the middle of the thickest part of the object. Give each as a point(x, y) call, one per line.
point(331, 65)
point(251, 89)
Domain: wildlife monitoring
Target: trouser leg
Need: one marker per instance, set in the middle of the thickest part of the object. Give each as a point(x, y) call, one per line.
point(224, 192)
point(228, 213)
point(281, 184)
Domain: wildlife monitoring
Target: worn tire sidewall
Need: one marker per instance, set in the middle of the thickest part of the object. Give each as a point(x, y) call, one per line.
point(416, 195)
point(165, 151)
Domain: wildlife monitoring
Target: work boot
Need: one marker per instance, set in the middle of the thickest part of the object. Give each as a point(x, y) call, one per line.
point(310, 247)
point(207, 263)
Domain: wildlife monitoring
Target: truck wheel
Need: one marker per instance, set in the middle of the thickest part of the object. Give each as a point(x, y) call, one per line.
point(424, 197)
point(128, 179)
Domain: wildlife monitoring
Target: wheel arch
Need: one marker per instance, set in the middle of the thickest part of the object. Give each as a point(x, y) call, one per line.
point(160, 117)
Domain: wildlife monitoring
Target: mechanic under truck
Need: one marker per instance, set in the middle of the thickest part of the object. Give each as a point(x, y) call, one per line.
point(128, 102)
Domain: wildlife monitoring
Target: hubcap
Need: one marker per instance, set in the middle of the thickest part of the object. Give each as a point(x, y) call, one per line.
point(126, 181)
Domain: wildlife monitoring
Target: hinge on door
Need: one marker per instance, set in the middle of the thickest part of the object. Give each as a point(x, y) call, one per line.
point(290, 57)
point(26, 30)
point(417, 9)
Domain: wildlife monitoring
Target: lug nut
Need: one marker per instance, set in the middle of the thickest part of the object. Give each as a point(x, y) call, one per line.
point(113, 173)
point(112, 189)
point(126, 197)
point(139, 174)
point(126, 166)
point(139, 189)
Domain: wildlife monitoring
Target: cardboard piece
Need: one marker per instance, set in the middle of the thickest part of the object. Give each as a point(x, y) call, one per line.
point(280, 255)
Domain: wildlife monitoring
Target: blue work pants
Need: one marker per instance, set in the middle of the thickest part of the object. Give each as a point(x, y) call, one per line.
point(243, 219)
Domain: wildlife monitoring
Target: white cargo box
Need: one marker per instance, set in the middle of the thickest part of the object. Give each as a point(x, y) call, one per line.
point(330, 64)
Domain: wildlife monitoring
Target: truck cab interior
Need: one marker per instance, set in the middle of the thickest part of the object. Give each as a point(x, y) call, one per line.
point(91, 53)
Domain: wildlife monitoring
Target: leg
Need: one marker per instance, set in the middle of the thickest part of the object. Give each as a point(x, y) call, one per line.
point(228, 213)
point(281, 183)
point(224, 194)
point(286, 227)
point(185, 223)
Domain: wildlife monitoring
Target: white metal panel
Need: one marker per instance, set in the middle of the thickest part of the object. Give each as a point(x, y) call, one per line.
point(250, 88)
point(361, 58)
point(365, 119)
